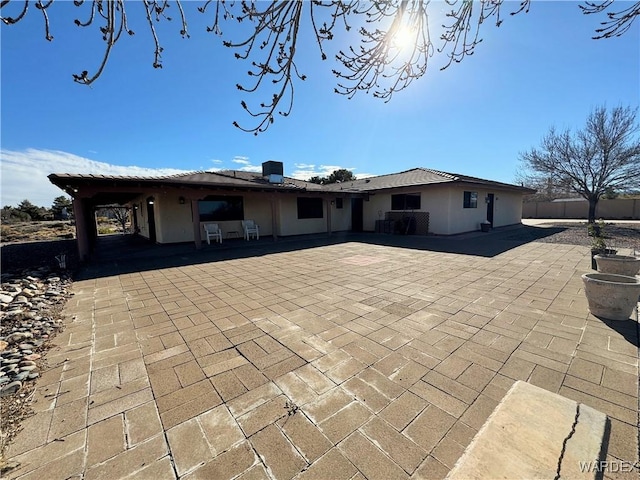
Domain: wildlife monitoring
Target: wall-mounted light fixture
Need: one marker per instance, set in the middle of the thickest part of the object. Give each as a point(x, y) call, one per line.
point(150, 200)
point(181, 200)
point(333, 202)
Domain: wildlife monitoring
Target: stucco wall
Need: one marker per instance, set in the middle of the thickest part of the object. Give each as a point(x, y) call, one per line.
point(507, 208)
point(341, 217)
point(290, 224)
point(445, 204)
point(619, 208)
point(174, 222)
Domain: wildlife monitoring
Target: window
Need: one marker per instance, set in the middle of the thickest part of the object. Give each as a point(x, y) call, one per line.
point(338, 202)
point(218, 208)
point(470, 200)
point(408, 201)
point(310, 207)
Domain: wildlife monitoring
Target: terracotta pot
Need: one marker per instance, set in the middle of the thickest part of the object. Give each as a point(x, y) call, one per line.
point(618, 264)
point(611, 296)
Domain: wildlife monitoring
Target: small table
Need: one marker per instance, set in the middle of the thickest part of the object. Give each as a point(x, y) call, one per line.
point(233, 234)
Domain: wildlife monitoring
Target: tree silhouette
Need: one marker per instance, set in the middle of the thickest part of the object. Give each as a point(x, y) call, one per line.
point(337, 176)
point(60, 205)
point(602, 157)
point(395, 41)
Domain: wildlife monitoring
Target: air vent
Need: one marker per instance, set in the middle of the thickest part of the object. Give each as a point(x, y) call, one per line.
point(272, 168)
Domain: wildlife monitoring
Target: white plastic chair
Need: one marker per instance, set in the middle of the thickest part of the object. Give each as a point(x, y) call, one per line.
point(250, 228)
point(212, 230)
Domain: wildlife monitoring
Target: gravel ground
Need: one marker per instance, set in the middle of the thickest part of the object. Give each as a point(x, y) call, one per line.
point(617, 235)
point(18, 258)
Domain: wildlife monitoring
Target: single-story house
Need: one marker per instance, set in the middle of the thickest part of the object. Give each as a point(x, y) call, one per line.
point(172, 209)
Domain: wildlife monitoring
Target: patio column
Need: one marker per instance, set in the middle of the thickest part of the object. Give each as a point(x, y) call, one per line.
point(83, 239)
point(195, 215)
point(328, 204)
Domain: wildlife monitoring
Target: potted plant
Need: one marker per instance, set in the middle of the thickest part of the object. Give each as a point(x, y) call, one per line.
point(598, 242)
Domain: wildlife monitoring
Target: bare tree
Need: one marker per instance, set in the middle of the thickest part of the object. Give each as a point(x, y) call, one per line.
point(121, 215)
point(601, 157)
point(394, 48)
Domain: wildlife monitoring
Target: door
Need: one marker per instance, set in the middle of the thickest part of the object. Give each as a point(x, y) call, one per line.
point(490, 208)
point(356, 214)
point(152, 220)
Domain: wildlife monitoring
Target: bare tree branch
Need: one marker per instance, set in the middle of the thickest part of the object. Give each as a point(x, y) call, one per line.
point(617, 23)
point(602, 156)
point(394, 48)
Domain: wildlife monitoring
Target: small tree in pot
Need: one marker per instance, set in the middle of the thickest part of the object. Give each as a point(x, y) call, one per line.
point(596, 231)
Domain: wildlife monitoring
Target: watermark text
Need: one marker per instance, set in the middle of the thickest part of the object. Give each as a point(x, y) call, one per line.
point(608, 466)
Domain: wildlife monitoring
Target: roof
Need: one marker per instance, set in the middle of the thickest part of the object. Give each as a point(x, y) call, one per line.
point(240, 180)
point(418, 177)
point(228, 178)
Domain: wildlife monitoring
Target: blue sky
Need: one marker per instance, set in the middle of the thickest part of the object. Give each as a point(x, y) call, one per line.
point(537, 70)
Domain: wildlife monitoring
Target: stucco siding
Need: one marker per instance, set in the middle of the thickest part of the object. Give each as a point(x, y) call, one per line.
point(445, 205)
point(290, 224)
point(174, 222)
point(507, 209)
point(341, 217)
point(374, 209)
point(435, 201)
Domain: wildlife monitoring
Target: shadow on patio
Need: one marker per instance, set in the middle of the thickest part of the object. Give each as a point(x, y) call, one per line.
point(118, 254)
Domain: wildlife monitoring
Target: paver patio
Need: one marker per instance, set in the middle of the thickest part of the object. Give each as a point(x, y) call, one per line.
point(345, 361)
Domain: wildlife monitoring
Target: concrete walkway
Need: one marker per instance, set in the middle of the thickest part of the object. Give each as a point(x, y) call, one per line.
point(343, 359)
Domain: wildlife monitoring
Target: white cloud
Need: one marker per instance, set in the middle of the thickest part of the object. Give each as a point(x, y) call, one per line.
point(247, 166)
point(24, 173)
point(251, 168)
point(304, 166)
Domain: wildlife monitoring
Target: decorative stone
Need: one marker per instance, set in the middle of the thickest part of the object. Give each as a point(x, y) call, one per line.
point(4, 298)
point(10, 388)
point(3, 345)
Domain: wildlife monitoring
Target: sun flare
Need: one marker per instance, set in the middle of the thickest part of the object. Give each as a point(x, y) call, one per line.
point(403, 37)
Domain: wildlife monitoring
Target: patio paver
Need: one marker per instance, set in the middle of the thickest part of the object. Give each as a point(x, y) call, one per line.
point(348, 360)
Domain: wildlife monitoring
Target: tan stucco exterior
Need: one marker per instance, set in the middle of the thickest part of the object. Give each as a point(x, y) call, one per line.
point(274, 205)
point(444, 203)
point(277, 214)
